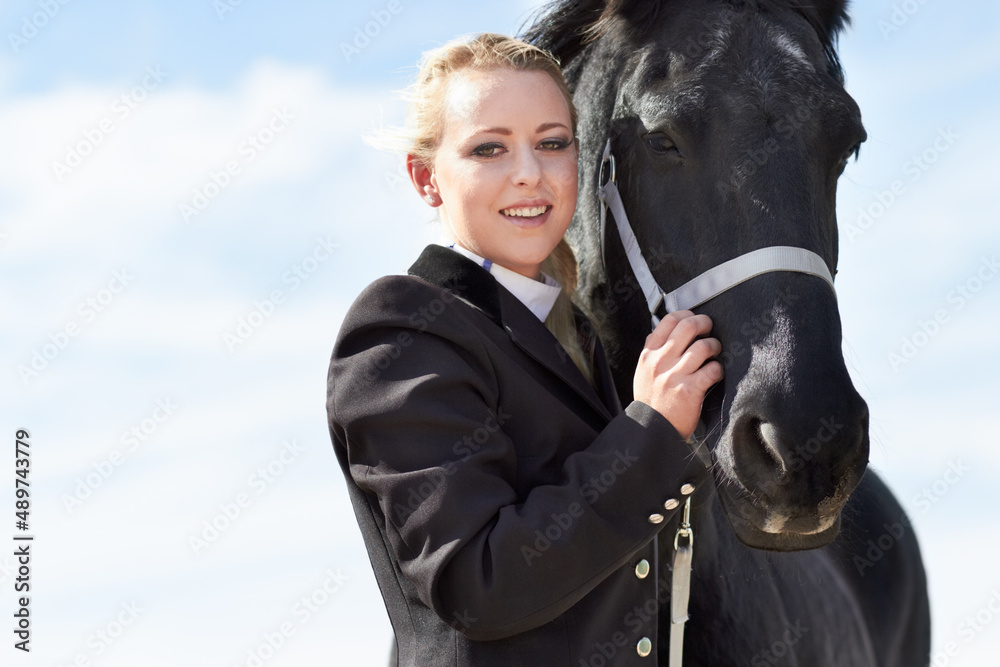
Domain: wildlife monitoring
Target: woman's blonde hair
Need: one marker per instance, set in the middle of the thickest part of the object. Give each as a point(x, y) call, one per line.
point(421, 136)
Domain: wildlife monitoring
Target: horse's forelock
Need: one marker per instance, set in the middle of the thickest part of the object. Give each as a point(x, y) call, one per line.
point(564, 27)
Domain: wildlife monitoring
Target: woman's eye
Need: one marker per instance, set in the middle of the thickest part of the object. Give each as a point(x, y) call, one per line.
point(555, 144)
point(487, 150)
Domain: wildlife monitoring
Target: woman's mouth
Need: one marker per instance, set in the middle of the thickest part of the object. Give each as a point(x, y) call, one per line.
point(527, 216)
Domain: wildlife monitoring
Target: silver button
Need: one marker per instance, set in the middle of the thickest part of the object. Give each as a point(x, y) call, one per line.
point(687, 489)
point(671, 504)
point(644, 647)
point(642, 569)
point(655, 518)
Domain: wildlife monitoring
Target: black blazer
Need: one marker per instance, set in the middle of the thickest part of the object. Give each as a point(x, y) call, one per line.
point(509, 509)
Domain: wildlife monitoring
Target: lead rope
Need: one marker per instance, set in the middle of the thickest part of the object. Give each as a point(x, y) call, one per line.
point(680, 587)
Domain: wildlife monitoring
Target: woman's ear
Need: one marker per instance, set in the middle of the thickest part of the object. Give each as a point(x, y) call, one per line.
point(423, 180)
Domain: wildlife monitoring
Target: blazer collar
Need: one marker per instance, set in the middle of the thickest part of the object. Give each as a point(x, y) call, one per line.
point(468, 281)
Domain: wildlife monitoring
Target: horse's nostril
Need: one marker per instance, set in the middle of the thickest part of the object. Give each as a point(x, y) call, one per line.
point(768, 439)
point(790, 462)
point(756, 457)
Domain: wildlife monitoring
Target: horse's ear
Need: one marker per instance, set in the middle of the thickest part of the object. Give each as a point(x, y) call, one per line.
point(833, 17)
point(564, 27)
point(634, 11)
point(638, 14)
point(561, 26)
point(828, 18)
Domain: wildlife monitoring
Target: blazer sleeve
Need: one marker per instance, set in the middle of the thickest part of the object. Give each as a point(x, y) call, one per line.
point(414, 400)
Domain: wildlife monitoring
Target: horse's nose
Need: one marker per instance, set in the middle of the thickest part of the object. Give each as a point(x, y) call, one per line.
point(793, 459)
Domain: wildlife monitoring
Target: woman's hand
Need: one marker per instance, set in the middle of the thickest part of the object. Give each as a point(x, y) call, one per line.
point(672, 375)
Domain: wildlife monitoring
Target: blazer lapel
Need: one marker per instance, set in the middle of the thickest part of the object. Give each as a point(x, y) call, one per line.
point(461, 276)
point(473, 284)
point(532, 336)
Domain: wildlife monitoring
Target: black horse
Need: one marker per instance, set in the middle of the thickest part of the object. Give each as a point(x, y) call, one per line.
point(731, 126)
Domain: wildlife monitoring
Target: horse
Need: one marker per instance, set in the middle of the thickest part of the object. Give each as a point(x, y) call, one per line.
point(729, 126)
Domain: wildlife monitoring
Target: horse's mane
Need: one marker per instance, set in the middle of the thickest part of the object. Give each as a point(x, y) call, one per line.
point(565, 27)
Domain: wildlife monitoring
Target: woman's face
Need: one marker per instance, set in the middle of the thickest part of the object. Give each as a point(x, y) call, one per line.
point(505, 171)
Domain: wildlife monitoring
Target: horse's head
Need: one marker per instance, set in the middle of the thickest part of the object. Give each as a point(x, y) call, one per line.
point(730, 126)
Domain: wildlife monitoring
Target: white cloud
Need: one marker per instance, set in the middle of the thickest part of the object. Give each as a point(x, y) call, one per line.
point(163, 336)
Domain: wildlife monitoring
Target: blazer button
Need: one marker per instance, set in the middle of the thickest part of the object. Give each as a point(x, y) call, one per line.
point(642, 569)
point(655, 518)
point(644, 647)
point(671, 504)
point(687, 489)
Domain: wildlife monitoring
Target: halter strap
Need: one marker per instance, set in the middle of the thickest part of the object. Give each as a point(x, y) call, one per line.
point(709, 284)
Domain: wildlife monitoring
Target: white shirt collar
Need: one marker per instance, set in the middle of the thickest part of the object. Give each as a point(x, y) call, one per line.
point(538, 296)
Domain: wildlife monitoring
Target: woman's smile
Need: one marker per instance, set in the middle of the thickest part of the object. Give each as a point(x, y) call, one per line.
point(523, 215)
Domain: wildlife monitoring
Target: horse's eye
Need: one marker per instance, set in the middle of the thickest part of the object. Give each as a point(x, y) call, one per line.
point(661, 143)
point(847, 157)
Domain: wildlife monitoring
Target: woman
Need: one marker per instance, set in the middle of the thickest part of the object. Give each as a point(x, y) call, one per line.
point(508, 504)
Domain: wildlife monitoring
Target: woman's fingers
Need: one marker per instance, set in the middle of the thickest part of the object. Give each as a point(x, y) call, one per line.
point(686, 333)
point(666, 327)
point(699, 352)
point(677, 366)
point(707, 375)
point(674, 335)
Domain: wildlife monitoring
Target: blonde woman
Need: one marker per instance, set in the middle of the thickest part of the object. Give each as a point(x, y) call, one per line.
point(508, 503)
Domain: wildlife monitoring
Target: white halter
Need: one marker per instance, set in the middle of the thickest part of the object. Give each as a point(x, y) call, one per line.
point(709, 284)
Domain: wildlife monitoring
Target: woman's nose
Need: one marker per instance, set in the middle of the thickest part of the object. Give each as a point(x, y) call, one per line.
point(527, 168)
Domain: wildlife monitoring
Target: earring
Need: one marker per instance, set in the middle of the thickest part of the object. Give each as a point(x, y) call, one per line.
point(430, 198)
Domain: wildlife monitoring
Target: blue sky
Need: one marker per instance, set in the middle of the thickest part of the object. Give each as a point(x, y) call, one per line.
point(180, 359)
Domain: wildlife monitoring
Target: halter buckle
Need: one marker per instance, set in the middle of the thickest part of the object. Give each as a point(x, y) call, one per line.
point(608, 158)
